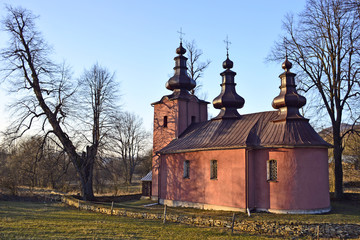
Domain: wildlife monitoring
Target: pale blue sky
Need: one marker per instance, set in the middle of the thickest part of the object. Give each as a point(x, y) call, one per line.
point(137, 41)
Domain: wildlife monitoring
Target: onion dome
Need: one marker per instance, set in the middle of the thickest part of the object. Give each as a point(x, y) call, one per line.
point(180, 82)
point(228, 100)
point(289, 101)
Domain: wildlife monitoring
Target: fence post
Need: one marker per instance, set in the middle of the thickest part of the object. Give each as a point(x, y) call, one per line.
point(112, 207)
point(164, 215)
point(318, 231)
point(232, 225)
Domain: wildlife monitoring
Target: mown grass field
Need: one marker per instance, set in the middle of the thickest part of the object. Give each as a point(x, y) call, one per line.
point(33, 220)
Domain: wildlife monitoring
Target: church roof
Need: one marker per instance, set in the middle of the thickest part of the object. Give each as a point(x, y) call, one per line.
point(257, 130)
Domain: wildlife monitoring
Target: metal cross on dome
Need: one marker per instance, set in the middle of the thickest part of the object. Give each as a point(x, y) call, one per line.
point(181, 34)
point(286, 46)
point(227, 44)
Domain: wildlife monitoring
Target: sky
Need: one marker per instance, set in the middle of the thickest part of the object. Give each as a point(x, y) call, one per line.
point(137, 40)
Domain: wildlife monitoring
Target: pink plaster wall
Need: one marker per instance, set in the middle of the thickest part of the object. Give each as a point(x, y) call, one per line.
point(179, 113)
point(303, 179)
point(302, 182)
point(161, 135)
point(227, 190)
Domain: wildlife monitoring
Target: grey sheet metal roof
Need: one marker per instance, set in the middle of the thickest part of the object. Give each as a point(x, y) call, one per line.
point(251, 130)
point(148, 177)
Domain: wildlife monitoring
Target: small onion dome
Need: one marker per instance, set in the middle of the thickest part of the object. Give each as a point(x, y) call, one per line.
point(286, 64)
point(180, 80)
point(288, 101)
point(227, 64)
point(228, 100)
point(180, 50)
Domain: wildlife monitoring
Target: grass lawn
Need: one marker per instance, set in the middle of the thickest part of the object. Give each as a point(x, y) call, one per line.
point(33, 220)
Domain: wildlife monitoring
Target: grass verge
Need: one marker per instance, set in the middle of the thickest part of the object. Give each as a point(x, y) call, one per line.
point(33, 220)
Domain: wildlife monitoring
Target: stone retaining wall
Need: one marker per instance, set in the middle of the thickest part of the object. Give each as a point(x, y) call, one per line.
point(276, 228)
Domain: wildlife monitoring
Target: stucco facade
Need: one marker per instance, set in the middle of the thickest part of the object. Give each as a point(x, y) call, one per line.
point(301, 187)
point(171, 118)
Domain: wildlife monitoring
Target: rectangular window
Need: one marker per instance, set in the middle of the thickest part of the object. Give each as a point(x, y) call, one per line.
point(193, 119)
point(186, 169)
point(165, 121)
point(213, 169)
point(272, 170)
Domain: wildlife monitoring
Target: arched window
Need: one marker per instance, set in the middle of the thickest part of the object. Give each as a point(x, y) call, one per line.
point(213, 169)
point(186, 169)
point(272, 170)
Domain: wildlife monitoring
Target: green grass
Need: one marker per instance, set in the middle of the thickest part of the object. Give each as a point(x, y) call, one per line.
point(29, 220)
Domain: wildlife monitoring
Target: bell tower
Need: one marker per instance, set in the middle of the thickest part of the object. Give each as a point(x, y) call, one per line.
point(175, 112)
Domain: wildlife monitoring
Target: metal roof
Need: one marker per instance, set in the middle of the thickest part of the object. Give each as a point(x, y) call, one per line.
point(255, 130)
point(148, 177)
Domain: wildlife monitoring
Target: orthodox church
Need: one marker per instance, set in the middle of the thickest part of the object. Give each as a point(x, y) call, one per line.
point(267, 161)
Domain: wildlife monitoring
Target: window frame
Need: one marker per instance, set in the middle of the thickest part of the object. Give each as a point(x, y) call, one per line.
point(165, 122)
point(213, 169)
point(271, 170)
point(186, 169)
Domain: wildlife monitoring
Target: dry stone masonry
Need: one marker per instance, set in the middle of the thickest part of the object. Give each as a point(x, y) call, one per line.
point(276, 228)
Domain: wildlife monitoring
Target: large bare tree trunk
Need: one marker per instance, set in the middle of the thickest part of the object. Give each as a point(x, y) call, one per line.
point(338, 161)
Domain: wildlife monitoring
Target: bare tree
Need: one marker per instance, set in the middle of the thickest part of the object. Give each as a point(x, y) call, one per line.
point(324, 43)
point(196, 68)
point(46, 93)
point(96, 99)
point(129, 142)
point(34, 163)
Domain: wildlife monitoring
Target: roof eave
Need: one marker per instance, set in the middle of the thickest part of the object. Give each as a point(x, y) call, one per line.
point(244, 147)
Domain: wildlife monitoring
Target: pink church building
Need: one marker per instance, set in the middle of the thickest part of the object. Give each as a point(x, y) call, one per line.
point(267, 161)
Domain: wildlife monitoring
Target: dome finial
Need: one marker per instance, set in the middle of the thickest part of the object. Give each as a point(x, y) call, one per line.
point(181, 34)
point(227, 42)
point(180, 50)
point(227, 64)
point(286, 64)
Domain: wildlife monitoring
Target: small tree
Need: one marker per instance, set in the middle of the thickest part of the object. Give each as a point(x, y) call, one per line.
point(129, 141)
point(196, 68)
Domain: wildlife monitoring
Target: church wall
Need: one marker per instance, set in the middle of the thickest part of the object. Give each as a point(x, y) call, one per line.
point(227, 190)
point(179, 113)
point(298, 169)
point(162, 135)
